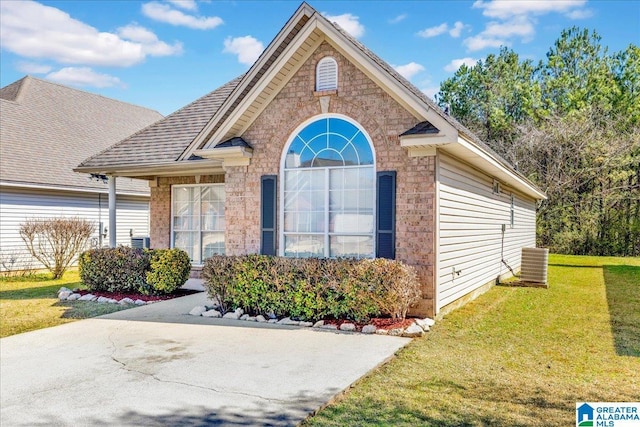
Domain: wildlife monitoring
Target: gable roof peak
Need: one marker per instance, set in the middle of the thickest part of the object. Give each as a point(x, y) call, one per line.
point(13, 91)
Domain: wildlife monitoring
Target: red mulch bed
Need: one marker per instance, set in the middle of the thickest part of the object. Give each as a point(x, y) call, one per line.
point(379, 323)
point(118, 295)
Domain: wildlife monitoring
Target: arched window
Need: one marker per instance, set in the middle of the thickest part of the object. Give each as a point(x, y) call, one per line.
point(327, 74)
point(328, 191)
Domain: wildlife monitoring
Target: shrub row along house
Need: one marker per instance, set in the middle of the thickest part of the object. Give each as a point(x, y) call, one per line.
point(46, 129)
point(322, 149)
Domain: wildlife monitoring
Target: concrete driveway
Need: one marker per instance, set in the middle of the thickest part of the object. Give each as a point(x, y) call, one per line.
point(156, 365)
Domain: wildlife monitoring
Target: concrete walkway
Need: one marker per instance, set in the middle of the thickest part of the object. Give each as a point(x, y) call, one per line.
point(157, 366)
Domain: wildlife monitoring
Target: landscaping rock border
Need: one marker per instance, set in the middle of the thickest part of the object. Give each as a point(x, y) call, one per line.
point(66, 294)
point(416, 329)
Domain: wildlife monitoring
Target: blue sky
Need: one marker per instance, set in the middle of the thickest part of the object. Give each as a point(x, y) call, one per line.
point(163, 54)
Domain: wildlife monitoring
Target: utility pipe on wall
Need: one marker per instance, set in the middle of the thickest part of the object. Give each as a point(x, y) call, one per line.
point(112, 211)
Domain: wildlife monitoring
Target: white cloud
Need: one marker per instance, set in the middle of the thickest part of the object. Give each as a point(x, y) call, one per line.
point(150, 43)
point(580, 14)
point(457, 63)
point(431, 91)
point(480, 42)
point(408, 70)
point(247, 48)
point(506, 9)
point(434, 31)
point(136, 33)
point(519, 27)
point(165, 13)
point(33, 30)
point(515, 20)
point(437, 30)
point(398, 18)
point(456, 30)
point(32, 67)
point(498, 34)
point(350, 23)
point(83, 76)
point(185, 4)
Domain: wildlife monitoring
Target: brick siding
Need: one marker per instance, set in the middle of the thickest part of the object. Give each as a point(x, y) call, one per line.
point(357, 97)
point(383, 119)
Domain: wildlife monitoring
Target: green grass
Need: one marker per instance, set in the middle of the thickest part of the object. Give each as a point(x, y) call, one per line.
point(30, 303)
point(514, 356)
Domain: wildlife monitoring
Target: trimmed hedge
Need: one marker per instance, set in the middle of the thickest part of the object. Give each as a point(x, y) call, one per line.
point(312, 288)
point(168, 270)
point(125, 269)
point(120, 269)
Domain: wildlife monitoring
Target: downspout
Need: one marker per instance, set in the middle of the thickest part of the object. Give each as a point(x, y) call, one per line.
point(112, 211)
point(99, 220)
point(504, 229)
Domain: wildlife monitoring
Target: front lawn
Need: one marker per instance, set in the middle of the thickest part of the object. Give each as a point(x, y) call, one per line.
point(31, 303)
point(514, 356)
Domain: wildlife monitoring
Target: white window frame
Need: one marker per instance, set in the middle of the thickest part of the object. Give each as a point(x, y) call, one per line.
point(172, 240)
point(333, 84)
point(282, 180)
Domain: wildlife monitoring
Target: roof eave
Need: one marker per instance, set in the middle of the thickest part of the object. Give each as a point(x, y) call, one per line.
point(183, 168)
point(75, 189)
point(303, 10)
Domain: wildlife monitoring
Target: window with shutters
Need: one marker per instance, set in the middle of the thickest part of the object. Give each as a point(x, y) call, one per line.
point(198, 220)
point(327, 74)
point(328, 190)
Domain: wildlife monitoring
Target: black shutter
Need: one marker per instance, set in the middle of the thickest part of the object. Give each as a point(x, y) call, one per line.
point(268, 214)
point(386, 215)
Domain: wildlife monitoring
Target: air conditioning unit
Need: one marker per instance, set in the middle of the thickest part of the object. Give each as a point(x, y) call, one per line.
point(141, 242)
point(534, 265)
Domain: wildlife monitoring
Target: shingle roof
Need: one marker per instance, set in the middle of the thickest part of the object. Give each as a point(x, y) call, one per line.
point(164, 141)
point(421, 128)
point(46, 129)
point(233, 142)
point(424, 98)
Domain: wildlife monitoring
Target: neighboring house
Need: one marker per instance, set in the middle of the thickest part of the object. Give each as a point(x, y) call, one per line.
point(45, 130)
point(322, 149)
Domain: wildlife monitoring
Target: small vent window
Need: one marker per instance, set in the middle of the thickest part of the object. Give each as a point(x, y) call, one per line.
point(496, 187)
point(327, 74)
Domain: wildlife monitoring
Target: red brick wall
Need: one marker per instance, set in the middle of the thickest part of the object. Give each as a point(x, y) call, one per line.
point(358, 98)
point(160, 206)
point(384, 119)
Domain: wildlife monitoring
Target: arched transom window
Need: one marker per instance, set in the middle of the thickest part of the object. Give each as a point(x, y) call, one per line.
point(328, 189)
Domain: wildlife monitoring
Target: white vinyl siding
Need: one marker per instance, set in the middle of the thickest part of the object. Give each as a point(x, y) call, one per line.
point(471, 217)
point(17, 205)
point(132, 218)
point(327, 74)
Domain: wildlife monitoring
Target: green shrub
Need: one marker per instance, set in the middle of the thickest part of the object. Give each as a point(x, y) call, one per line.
point(393, 285)
point(219, 275)
point(168, 270)
point(125, 269)
point(121, 269)
point(312, 288)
